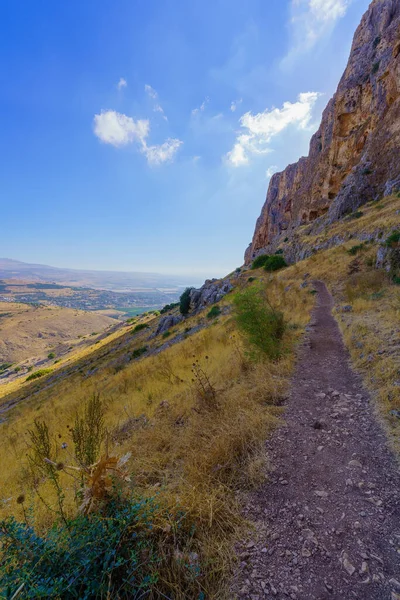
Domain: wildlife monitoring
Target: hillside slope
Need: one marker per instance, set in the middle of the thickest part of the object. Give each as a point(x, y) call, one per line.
point(354, 156)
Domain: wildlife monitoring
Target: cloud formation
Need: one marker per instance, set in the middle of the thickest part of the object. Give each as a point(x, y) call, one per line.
point(120, 130)
point(259, 129)
point(122, 83)
point(151, 92)
point(201, 108)
point(310, 21)
point(235, 104)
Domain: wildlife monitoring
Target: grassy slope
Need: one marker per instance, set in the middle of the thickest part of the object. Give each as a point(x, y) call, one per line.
point(29, 333)
point(198, 455)
point(189, 452)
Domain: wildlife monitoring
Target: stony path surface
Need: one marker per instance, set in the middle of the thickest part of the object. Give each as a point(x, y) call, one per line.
point(328, 517)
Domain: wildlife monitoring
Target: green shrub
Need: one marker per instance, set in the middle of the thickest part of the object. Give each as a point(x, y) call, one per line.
point(251, 279)
point(119, 553)
point(51, 355)
point(261, 324)
point(169, 307)
point(393, 239)
point(184, 301)
point(260, 261)
point(279, 251)
point(377, 41)
point(354, 215)
point(38, 374)
point(274, 263)
point(396, 280)
point(286, 239)
point(214, 312)
point(4, 367)
point(139, 351)
point(355, 249)
point(375, 67)
point(139, 327)
point(166, 334)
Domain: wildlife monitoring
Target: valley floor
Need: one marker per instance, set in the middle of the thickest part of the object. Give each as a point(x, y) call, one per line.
point(328, 517)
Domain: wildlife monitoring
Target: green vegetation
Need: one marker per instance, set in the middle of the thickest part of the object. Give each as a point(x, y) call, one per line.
point(251, 279)
point(139, 351)
point(260, 261)
point(279, 251)
point(214, 312)
point(356, 249)
point(274, 263)
point(375, 67)
point(38, 374)
point(260, 323)
point(4, 367)
point(51, 355)
point(393, 239)
point(140, 327)
point(169, 307)
point(17, 369)
point(377, 41)
point(166, 334)
point(184, 302)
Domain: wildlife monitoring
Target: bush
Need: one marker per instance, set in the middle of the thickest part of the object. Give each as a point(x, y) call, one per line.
point(261, 324)
point(184, 301)
point(17, 369)
point(355, 249)
point(166, 334)
point(169, 307)
point(393, 239)
point(139, 351)
point(274, 263)
point(375, 67)
point(355, 215)
point(51, 355)
point(140, 327)
point(279, 251)
point(38, 374)
point(115, 554)
point(251, 279)
point(5, 366)
point(214, 312)
point(260, 261)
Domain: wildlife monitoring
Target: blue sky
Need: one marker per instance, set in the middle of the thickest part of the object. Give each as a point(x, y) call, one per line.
point(141, 135)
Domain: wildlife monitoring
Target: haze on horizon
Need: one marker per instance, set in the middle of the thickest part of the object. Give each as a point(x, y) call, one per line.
point(142, 138)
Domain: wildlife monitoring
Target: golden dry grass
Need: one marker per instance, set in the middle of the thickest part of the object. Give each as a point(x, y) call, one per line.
point(193, 454)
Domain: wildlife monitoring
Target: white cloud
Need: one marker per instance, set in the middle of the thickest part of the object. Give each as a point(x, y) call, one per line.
point(312, 20)
point(165, 152)
point(259, 129)
point(119, 130)
point(151, 92)
point(122, 83)
point(270, 171)
point(235, 104)
point(201, 108)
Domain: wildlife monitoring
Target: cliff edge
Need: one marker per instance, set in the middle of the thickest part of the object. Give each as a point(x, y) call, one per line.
point(355, 154)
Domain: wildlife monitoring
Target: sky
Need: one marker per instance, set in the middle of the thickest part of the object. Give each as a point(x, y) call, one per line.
point(141, 136)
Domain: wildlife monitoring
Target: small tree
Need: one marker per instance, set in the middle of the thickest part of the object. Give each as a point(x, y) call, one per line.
point(184, 301)
point(261, 324)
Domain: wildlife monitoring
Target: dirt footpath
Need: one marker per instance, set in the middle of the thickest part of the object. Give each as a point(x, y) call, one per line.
point(328, 517)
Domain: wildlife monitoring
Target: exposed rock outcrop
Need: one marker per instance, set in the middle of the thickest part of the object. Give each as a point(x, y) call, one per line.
point(211, 292)
point(355, 155)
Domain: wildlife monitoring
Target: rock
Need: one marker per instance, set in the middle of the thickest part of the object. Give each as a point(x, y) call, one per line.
point(321, 494)
point(347, 565)
point(349, 162)
point(211, 292)
point(394, 584)
point(346, 308)
point(355, 464)
point(395, 596)
point(364, 568)
point(166, 323)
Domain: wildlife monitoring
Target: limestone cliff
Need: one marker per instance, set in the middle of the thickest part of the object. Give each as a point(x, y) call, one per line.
point(355, 153)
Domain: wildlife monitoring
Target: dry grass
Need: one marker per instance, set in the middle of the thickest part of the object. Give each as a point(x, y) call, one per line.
point(193, 453)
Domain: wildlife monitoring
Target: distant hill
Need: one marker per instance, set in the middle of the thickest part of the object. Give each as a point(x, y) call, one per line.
point(106, 280)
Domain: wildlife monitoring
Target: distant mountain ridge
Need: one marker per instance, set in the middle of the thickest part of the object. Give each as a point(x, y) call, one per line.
point(355, 155)
point(108, 280)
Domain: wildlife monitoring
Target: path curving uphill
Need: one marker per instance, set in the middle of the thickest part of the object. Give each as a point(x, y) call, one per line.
point(328, 518)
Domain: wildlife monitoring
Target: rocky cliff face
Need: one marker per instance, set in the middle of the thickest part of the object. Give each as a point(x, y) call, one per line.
point(355, 154)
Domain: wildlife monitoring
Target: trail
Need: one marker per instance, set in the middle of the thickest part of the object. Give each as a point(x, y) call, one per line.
point(328, 517)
